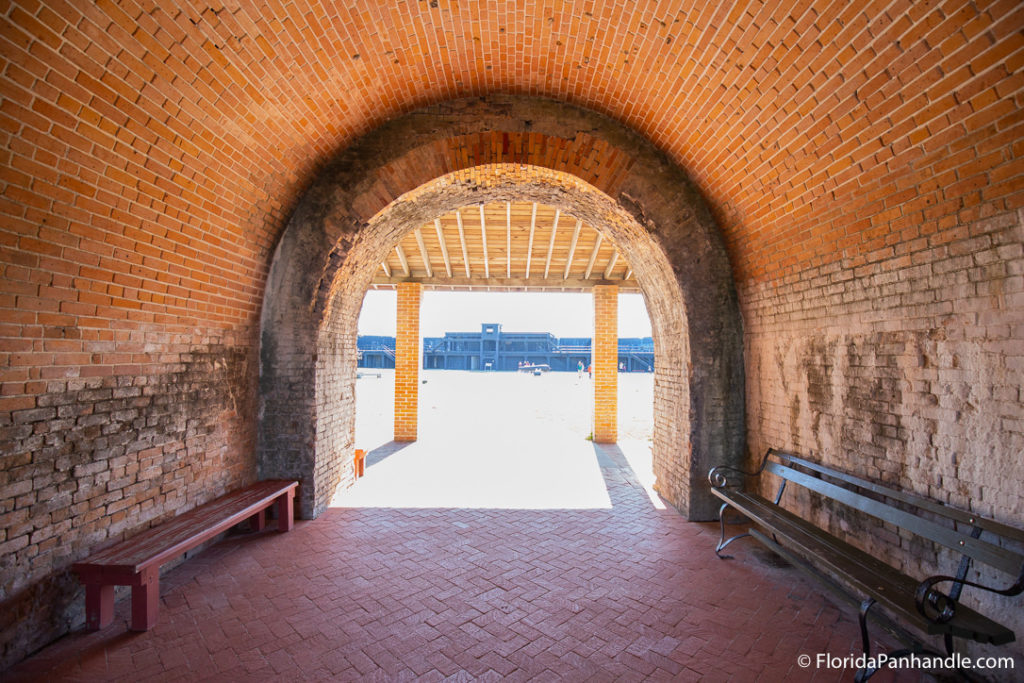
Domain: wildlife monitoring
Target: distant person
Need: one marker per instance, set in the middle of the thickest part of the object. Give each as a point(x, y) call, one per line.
point(579, 369)
point(622, 367)
point(590, 371)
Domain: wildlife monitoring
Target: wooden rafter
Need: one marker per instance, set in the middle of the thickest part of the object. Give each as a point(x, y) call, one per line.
point(423, 253)
point(401, 258)
point(593, 256)
point(551, 244)
point(462, 241)
point(483, 236)
point(444, 247)
point(529, 247)
point(611, 265)
point(572, 248)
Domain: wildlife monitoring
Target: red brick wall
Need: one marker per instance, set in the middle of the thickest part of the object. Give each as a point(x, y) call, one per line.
point(813, 128)
point(174, 133)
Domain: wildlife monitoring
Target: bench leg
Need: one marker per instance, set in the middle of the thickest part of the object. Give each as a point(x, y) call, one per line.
point(145, 605)
point(99, 605)
point(866, 673)
point(723, 541)
point(286, 510)
point(259, 520)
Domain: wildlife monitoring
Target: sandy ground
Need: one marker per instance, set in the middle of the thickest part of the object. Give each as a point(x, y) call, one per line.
point(495, 440)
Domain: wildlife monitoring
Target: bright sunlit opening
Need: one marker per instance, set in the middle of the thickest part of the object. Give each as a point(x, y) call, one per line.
point(500, 440)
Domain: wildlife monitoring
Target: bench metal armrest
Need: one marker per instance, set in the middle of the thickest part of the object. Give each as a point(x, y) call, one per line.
point(718, 476)
point(939, 607)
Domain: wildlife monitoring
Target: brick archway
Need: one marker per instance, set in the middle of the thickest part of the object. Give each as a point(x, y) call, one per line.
point(432, 160)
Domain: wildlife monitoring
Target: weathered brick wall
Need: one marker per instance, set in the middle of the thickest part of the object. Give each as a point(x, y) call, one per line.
point(336, 356)
point(606, 362)
point(880, 278)
point(908, 370)
point(95, 453)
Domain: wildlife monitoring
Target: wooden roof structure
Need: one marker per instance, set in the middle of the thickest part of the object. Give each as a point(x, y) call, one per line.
point(506, 246)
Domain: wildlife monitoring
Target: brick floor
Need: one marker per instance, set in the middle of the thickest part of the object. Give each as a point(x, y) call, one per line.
point(627, 593)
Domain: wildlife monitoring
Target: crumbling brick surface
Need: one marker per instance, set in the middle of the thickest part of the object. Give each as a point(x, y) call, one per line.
point(104, 454)
point(907, 370)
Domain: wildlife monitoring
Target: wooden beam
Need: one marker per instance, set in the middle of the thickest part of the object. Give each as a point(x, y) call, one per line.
point(551, 244)
point(444, 247)
point(483, 236)
point(572, 248)
point(498, 284)
point(611, 265)
point(462, 240)
point(423, 252)
point(404, 261)
point(508, 239)
point(593, 256)
point(384, 265)
point(529, 248)
point(629, 273)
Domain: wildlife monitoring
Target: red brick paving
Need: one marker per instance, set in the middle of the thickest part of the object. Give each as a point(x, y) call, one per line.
point(627, 593)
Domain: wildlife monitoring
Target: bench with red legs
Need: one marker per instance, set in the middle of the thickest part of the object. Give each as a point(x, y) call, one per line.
point(136, 561)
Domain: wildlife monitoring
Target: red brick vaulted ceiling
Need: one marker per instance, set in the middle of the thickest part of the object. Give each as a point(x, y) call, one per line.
point(177, 137)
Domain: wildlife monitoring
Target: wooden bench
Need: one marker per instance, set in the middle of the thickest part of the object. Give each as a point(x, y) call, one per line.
point(861, 579)
point(136, 561)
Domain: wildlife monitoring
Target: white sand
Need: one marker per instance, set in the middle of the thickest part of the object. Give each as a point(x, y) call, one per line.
point(494, 440)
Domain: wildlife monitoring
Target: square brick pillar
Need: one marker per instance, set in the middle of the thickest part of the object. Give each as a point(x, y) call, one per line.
point(407, 361)
point(606, 363)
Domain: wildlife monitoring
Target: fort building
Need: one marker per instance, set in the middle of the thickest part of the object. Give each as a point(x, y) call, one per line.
point(495, 349)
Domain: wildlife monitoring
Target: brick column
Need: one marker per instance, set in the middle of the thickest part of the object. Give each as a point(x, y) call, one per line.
point(407, 361)
point(606, 363)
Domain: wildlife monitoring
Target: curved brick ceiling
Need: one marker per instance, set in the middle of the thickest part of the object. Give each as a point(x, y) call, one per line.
point(177, 137)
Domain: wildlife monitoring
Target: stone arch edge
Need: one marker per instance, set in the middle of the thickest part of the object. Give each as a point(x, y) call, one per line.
point(428, 143)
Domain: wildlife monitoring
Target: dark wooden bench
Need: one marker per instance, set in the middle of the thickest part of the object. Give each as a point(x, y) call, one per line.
point(863, 580)
point(136, 561)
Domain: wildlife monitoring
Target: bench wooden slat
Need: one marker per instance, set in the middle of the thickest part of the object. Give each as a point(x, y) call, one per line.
point(131, 552)
point(186, 531)
point(883, 618)
point(933, 507)
point(867, 574)
point(992, 555)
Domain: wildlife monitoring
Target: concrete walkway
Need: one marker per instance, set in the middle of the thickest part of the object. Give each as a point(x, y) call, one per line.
point(499, 585)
